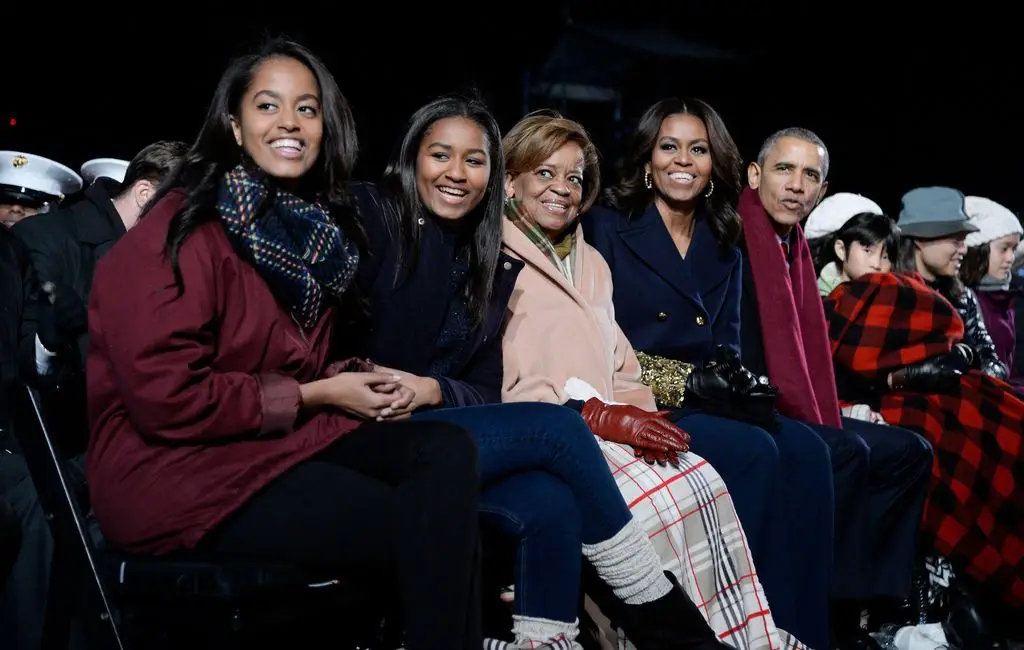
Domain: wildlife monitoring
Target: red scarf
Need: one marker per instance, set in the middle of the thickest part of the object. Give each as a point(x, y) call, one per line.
point(793, 329)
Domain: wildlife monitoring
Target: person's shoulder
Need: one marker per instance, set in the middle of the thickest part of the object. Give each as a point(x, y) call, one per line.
point(371, 201)
point(45, 226)
point(377, 211)
point(602, 217)
point(146, 243)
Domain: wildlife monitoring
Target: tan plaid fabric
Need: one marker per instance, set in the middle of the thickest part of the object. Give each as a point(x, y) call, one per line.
point(692, 523)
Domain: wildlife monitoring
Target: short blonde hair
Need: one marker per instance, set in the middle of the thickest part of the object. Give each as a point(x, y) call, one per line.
point(539, 135)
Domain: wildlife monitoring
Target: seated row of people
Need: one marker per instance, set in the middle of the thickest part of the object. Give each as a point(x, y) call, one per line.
point(219, 325)
point(913, 347)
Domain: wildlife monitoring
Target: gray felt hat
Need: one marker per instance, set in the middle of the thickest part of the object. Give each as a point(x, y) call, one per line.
point(933, 213)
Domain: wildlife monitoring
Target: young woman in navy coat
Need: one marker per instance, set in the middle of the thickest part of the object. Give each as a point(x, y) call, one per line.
point(668, 232)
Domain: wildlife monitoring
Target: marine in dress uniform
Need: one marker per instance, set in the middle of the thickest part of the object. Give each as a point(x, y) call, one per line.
point(31, 184)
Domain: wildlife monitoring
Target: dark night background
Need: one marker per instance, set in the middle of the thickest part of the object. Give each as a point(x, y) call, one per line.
point(933, 100)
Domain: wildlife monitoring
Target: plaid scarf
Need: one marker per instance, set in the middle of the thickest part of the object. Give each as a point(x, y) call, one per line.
point(296, 246)
point(562, 253)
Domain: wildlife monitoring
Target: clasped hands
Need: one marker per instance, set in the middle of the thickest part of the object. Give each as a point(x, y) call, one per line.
point(375, 392)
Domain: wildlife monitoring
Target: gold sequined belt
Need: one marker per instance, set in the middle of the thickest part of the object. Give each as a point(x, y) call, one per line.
point(665, 377)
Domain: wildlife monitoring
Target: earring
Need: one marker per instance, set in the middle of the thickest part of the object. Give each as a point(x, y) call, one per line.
point(648, 181)
point(711, 188)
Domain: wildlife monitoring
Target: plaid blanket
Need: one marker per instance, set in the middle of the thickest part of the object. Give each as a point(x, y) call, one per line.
point(975, 510)
point(692, 523)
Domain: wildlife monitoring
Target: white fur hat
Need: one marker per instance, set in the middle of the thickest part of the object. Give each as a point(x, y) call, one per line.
point(993, 220)
point(832, 213)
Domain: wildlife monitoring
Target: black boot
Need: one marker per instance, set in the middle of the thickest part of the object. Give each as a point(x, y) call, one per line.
point(672, 622)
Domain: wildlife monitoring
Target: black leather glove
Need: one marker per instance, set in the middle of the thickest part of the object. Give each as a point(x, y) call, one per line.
point(711, 382)
point(724, 387)
point(61, 317)
point(725, 377)
point(936, 376)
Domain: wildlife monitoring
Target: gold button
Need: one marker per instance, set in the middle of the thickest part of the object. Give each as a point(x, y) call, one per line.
point(662, 316)
point(700, 321)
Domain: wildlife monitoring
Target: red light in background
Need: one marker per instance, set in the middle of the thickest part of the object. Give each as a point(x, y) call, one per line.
point(14, 122)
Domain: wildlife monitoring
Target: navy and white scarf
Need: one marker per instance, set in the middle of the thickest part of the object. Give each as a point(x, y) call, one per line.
point(295, 245)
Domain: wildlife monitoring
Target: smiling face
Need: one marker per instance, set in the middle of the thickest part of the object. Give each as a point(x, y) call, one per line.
point(452, 168)
point(937, 258)
point(279, 123)
point(680, 165)
point(551, 194)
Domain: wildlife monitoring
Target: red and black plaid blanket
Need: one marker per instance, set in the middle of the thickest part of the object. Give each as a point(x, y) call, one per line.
point(975, 509)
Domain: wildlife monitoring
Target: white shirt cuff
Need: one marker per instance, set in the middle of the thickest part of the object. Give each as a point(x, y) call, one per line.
point(44, 358)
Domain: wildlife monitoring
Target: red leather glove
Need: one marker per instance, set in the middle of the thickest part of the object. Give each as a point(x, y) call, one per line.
point(634, 426)
point(662, 458)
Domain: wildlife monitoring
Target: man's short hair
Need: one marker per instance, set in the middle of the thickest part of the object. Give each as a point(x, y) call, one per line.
point(800, 134)
point(154, 163)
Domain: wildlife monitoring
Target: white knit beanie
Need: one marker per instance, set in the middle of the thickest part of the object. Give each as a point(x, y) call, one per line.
point(993, 220)
point(833, 213)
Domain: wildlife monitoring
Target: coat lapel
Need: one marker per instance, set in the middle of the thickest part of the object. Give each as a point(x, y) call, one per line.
point(701, 271)
point(704, 260)
point(521, 246)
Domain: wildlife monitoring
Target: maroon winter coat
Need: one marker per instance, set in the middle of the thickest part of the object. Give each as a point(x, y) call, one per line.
point(193, 399)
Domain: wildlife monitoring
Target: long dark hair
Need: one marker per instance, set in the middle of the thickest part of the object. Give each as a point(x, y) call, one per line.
point(215, 151)
point(485, 220)
point(974, 268)
point(865, 228)
point(630, 193)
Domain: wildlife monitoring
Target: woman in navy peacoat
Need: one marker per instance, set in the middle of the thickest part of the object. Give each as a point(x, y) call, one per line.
point(668, 231)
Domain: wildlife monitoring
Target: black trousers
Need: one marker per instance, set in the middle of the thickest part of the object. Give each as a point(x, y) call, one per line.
point(881, 479)
point(390, 505)
point(10, 538)
point(23, 598)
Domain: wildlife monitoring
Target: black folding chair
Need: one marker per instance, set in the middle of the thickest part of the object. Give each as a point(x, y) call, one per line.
point(127, 601)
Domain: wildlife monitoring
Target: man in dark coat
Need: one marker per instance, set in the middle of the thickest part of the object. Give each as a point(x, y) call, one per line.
point(66, 244)
point(881, 473)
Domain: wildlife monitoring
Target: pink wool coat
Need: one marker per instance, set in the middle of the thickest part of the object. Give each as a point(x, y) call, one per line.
point(549, 339)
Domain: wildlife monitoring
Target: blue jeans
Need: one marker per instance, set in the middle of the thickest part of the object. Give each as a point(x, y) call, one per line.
point(547, 484)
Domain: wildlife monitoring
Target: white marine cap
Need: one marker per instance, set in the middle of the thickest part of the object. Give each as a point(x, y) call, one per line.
point(110, 167)
point(832, 213)
point(34, 178)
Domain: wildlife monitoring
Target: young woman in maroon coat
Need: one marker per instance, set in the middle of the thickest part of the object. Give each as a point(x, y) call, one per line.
point(216, 420)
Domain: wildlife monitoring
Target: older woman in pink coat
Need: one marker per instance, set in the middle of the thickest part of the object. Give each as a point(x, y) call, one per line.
point(562, 345)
